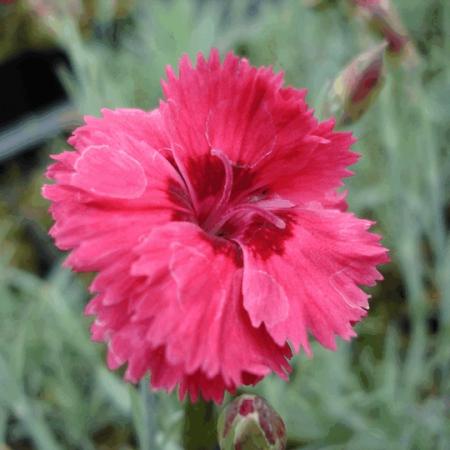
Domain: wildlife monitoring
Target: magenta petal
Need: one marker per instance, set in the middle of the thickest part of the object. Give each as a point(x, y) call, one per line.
point(100, 193)
point(109, 173)
point(260, 290)
point(198, 315)
point(236, 115)
point(258, 124)
point(326, 256)
point(116, 126)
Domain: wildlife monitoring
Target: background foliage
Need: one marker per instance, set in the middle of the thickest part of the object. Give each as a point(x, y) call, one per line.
point(389, 388)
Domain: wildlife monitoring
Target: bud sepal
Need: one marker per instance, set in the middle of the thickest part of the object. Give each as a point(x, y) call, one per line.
point(250, 423)
point(356, 87)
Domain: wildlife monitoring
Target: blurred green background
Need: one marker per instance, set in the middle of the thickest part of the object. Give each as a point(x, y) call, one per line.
point(390, 387)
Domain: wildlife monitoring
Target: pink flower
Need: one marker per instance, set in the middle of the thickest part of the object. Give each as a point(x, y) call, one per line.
point(215, 227)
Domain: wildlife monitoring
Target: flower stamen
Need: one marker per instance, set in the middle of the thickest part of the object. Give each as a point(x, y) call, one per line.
point(228, 183)
point(249, 208)
point(222, 204)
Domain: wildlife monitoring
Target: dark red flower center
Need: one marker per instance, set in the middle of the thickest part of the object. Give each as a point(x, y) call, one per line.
point(228, 201)
point(229, 197)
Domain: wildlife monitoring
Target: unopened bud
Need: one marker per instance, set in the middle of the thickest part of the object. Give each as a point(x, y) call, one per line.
point(250, 423)
point(383, 18)
point(356, 87)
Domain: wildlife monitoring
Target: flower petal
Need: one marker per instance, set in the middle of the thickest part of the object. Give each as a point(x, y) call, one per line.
point(220, 106)
point(128, 345)
point(313, 275)
point(103, 192)
point(109, 173)
point(336, 200)
point(116, 126)
point(245, 113)
point(194, 301)
point(309, 170)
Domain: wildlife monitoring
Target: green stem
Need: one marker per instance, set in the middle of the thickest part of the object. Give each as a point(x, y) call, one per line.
point(200, 423)
point(143, 411)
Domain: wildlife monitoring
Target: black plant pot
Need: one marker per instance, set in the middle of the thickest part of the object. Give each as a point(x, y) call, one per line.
point(31, 97)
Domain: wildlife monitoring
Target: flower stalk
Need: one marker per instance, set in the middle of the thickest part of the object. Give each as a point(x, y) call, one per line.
point(199, 426)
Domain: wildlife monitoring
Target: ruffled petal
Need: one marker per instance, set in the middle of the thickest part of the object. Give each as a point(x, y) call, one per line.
point(306, 277)
point(336, 200)
point(265, 130)
point(311, 170)
point(109, 173)
point(116, 126)
point(102, 192)
point(220, 106)
point(169, 319)
point(193, 298)
point(129, 346)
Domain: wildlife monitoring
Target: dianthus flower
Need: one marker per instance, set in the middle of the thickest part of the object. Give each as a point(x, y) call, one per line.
point(216, 229)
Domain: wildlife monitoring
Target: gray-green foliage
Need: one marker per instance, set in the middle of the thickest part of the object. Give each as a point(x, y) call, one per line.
point(54, 380)
point(390, 388)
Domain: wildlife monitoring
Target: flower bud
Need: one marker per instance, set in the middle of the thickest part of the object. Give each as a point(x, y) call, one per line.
point(356, 87)
point(250, 423)
point(383, 18)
